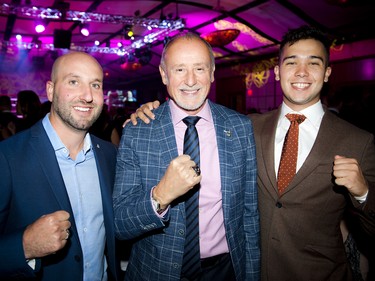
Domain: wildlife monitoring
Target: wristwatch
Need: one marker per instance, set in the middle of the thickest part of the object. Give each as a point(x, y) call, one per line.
point(156, 205)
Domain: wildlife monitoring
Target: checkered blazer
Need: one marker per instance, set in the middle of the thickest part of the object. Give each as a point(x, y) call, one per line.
point(144, 155)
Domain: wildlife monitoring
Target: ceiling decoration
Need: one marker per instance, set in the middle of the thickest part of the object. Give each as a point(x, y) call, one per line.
point(135, 59)
point(156, 28)
point(83, 17)
point(220, 38)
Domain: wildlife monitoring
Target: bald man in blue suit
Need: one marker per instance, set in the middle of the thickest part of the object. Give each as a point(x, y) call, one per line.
point(56, 216)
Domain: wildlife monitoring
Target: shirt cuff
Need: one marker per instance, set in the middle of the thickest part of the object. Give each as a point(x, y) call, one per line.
point(161, 215)
point(31, 263)
point(361, 199)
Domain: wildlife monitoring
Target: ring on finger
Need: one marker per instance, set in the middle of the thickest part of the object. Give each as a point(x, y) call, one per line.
point(67, 234)
point(197, 170)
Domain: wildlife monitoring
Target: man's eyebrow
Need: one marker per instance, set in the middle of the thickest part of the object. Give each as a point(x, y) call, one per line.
point(97, 80)
point(290, 57)
point(317, 57)
point(310, 57)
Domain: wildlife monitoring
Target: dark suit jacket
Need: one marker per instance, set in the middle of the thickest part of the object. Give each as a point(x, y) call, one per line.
point(144, 154)
point(31, 185)
point(300, 232)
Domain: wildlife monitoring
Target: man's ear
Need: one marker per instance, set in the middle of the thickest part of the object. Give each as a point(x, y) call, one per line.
point(327, 73)
point(212, 75)
point(50, 89)
point(163, 75)
point(277, 71)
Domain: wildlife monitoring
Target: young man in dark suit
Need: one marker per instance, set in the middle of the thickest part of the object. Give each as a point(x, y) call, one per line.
point(300, 227)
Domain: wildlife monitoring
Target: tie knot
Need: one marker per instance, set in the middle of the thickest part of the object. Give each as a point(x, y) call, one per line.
point(296, 117)
point(191, 120)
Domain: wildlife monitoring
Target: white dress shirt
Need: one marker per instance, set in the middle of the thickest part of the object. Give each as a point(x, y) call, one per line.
point(308, 130)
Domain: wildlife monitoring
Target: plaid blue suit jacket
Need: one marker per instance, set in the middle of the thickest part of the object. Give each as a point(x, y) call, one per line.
point(144, 155)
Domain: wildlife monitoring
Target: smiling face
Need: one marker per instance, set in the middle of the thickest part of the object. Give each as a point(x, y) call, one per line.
point(302, 70)
point(76, 92)
point(188, 72)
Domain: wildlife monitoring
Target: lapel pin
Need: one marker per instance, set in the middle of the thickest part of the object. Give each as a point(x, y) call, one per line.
point(228, 133)
point(97, 145)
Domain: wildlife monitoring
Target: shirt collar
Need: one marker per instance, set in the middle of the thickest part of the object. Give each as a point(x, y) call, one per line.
point(55, 139)
point(178, 114)
point(313, 113)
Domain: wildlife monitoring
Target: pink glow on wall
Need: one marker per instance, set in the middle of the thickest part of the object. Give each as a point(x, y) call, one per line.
point(369, 69)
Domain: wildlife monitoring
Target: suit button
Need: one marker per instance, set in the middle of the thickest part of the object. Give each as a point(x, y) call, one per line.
point(181, 232)
point(279, 205)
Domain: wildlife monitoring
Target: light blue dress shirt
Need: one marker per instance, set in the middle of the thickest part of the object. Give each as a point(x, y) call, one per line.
point(82, 184)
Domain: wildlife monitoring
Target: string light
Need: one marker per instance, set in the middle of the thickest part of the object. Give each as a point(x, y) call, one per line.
point(55, 14)
point(158, 28)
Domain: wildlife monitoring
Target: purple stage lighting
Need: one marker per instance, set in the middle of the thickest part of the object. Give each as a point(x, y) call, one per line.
point(39, 28)
point(85, 30)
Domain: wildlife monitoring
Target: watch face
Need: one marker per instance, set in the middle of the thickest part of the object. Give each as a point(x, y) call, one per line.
point(156, 206)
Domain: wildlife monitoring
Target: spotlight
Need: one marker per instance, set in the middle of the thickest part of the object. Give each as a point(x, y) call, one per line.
point(40, 27)
point(84, 29)
point(128, 32)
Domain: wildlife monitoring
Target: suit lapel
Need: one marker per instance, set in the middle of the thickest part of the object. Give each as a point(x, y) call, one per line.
point(266, 157)
point(165, 135)
point(106, 171)
point(45, 154)
point(224, 135)
point(104, 176)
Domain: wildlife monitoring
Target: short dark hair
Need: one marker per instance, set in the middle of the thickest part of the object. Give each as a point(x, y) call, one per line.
point(302, 33)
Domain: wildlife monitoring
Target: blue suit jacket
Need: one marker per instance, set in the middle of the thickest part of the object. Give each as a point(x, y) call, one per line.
point(31, 185)
point(144, 155)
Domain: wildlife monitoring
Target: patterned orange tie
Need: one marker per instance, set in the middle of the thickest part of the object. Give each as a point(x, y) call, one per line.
point(288, 161)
